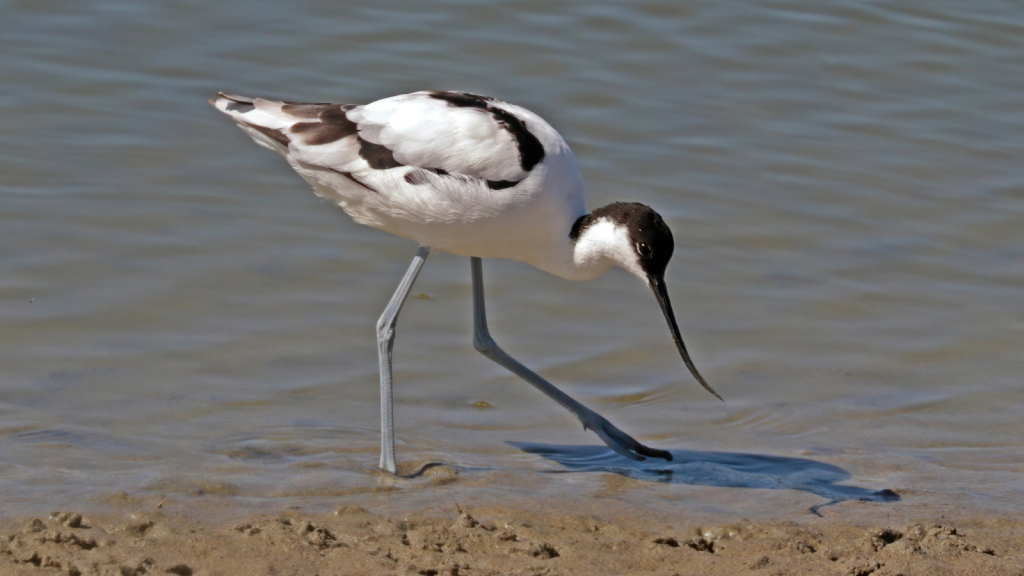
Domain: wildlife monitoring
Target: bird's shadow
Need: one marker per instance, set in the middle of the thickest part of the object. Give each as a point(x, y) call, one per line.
point(723, 469)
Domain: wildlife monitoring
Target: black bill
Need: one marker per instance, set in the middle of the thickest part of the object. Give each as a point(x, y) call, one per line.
point(657, 284)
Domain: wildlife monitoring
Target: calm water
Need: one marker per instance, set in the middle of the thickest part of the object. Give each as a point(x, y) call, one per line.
point(179, 314)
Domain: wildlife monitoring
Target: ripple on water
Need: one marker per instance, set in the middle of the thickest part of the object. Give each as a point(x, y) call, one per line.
point(178, 311)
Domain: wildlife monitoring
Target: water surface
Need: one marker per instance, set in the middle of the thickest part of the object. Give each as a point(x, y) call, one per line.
point(179, 313)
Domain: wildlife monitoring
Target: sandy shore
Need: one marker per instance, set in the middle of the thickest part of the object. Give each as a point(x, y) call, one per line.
point(136, 536)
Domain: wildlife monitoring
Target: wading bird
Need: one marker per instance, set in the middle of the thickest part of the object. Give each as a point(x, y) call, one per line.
point(473, 176)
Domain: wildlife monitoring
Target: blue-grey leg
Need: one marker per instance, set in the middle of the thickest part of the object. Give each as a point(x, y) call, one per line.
point(616, 439)
point(385, 343)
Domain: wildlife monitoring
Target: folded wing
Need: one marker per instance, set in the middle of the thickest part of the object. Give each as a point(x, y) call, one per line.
point(424, 138)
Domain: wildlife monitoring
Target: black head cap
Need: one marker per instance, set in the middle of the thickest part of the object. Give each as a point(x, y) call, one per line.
point(651, 238)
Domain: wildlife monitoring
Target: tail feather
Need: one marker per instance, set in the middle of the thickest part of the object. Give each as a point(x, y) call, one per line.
point(283, 126)
point(268, 130)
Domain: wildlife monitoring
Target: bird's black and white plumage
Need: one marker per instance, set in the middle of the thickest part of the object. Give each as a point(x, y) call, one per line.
point(459, 172)
point(475, 176)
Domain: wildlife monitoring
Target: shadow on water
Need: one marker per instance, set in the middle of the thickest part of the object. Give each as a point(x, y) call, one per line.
point(723, 469)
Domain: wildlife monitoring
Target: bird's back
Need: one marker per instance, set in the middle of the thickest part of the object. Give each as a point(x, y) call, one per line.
point(463, 173)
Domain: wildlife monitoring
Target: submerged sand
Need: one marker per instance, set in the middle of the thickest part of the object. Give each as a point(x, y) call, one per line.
point(153, 535)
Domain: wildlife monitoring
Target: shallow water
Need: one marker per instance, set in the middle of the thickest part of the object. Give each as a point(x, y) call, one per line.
point(179, 313)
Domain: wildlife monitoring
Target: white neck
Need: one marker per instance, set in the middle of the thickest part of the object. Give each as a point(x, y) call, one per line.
point(602, 245)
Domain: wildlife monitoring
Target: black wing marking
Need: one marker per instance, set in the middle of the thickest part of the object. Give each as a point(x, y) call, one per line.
point(531, 152)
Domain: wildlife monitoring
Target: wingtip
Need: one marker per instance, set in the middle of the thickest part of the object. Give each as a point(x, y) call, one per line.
point(235, 98)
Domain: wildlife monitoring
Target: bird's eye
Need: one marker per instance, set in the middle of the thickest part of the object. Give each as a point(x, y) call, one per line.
point(644, 250)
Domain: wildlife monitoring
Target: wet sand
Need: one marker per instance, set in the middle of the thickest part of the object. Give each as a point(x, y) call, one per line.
point(132, 535)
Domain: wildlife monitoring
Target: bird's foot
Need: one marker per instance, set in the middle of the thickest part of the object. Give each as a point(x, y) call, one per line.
point(618, 440)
